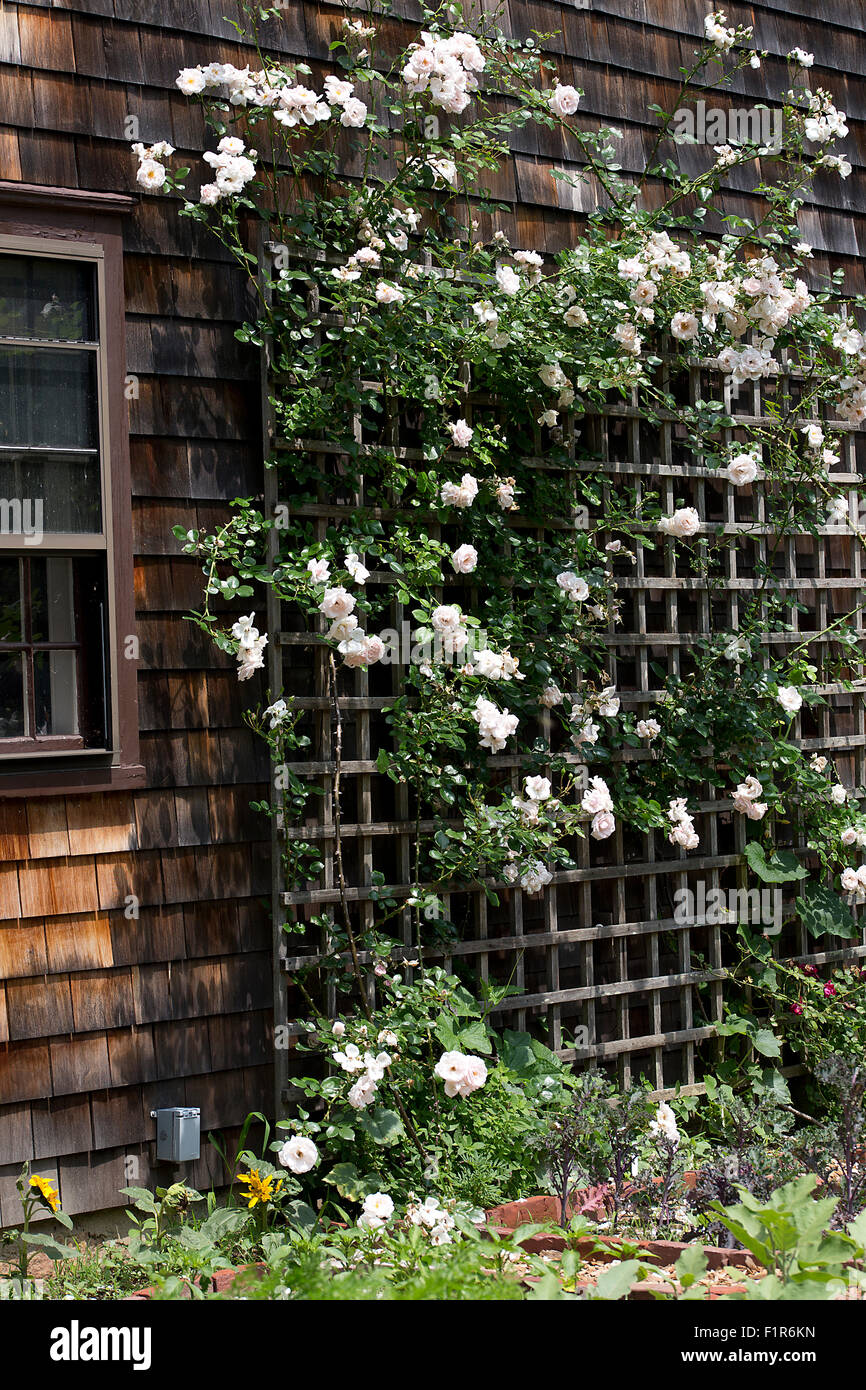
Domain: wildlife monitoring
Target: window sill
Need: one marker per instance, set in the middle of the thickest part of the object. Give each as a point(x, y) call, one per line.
point(65, 780)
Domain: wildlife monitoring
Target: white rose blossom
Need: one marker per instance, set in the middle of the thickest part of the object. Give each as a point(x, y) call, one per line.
point(461, 433)
point(535, 877)
point(353, 565)
point(563, 100)
point(789, 698)
point(461, 494)
point(648, 728)
point(683, 523)
point(337, 603)
point(299, 1154)
point(664, 1126)
point(464, 559)
point(377, 1212)
point(462, 1073)
point(537, 788)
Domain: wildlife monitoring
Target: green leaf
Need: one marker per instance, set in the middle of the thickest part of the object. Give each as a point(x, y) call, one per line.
point(383, 1126)
point(774, 1084)
point(349, 1183)
point(51, 1247)
point(224, 1221)
point(615, 1282)
point(444, 1032)
point(762, 1039)
point(142, 1200)
point(765, 1041)
point(781, 867)
point(300, 1214)
point(823, 913)
point(516, 1052)
point(691, 1265)
point(473, 1038)
point(857, 1229)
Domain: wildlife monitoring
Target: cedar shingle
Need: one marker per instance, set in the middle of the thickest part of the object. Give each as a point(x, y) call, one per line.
point(100, 824)
point(119, 1113)
point(25, 1072)
point(49, 835)
point(50, 889)
point(78, 943)
point(102, 1000)
point(61, 1125)
point(78, 1064)
point(156, 935)
point(39, 1008)
point(132, 1057)
point(16, 1134)
point(22, 951)
point(10, 902)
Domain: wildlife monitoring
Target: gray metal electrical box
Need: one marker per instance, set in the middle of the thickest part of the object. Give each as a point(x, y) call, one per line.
point(178, 1133)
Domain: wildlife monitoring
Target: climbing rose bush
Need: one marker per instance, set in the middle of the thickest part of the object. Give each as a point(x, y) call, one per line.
point(378, 297)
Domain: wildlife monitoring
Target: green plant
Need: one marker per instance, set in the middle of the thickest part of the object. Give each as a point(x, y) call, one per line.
point(750, 1148)
point(381, 307)
point(788, 1235)
point(392, 1118)
point(816, 1014)
point(378, 298)
point(160, 1212)
point(834, 1150)
point(37, 1193)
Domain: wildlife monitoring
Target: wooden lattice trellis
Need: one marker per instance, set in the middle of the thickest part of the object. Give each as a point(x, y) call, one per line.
point(601, 951)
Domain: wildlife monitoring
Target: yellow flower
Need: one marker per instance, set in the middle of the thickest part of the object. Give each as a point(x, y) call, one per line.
point(260, 1189)
point(46, 1192)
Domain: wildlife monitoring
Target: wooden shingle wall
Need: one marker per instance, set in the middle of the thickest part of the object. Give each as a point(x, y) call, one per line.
point(102, 1016)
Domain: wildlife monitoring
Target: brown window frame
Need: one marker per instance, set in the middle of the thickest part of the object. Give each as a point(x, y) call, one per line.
point(79, 225)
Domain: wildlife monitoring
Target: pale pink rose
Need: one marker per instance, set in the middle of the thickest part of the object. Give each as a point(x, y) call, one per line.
point(388, 294)
point(741, 470)
point(319, 571)
point(684, 327)
point(465, 559)
point(596, 798)
point(603, 825)
point(563, 100)
point(461, 433)
point(337, 603)
point(685, 521)
point(446, 618)
point(789, 698)
point(537, 788)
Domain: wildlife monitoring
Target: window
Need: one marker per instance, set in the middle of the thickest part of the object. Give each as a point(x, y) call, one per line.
point(67, 685)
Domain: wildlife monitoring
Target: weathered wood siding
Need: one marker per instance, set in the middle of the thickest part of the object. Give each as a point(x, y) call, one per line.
point(102, 1018)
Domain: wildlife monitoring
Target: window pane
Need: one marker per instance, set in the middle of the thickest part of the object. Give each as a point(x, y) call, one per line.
point(10, 601)
point(52, 611)
point(46, 299)
point(11, 697)
point(92, 613)
point(57, 492)
point(48, 398)
point(55, 692)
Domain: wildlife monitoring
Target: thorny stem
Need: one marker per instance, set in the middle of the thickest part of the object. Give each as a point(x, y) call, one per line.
point(344, 901)
point(338, 837)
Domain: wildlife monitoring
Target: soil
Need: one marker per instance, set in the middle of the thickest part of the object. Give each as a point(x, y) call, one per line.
point(40, 1265)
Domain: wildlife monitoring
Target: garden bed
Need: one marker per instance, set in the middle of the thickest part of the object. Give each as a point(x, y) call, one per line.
point(220, 1282)
point(725, 1268)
